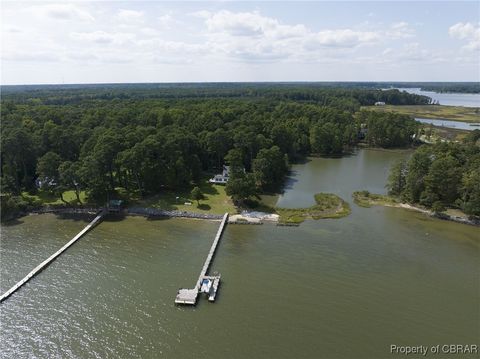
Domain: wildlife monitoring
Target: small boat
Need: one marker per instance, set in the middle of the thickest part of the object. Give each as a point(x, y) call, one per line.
point(213, 289)
point(206, 285)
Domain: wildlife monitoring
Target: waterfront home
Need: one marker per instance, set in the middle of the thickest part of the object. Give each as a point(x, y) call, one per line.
point(45, 182)
point(221, 178)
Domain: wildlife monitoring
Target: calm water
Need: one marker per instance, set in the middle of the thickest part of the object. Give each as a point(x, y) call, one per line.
point(344, 288)
point(449, 99)
point(459, 125)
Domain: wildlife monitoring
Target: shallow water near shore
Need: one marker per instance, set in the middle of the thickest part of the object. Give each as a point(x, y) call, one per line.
point(338, 288)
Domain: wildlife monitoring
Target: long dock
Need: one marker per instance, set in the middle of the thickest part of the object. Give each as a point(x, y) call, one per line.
point(189, 296)
point(50, 259)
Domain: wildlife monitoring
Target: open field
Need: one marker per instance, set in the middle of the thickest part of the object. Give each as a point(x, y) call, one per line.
point(453, 113)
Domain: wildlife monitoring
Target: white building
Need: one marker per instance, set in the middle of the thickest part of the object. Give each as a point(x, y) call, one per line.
point(45, 182)
point(380, 103)
point(221, 178)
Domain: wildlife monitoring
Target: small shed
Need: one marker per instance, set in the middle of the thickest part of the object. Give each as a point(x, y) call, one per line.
point(115, 205)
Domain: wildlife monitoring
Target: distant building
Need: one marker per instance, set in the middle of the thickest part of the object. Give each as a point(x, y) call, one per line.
point(45, 182)
point(221, 178)
point(380, 103)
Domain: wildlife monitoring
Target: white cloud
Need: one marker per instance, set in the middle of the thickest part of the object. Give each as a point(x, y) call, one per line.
point(13, 30)
point(461, 30)
point(251, 36)
point(400, 30)
point(240, 23)
point(409, 53)
point(166, 21)
point(253, 25)
point(82, 56)
point(468, 32)
point(62, 12)
point(341, 38)
point(165, 47)
point(149, 31)
point(102, 37)
point(129, 15)
point(202, 14)
point(215, 43)
point(39, 56)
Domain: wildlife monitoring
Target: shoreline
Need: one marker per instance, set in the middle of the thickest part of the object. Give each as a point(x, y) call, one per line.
point(245, 217)
point(146, 212)
point(386, 201)
point(445, 216)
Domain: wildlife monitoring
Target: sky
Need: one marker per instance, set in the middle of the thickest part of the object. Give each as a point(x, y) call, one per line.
point(157, 41)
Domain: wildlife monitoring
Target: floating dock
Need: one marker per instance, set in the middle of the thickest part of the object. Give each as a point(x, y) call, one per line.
point(50, 259)
point(205, 284)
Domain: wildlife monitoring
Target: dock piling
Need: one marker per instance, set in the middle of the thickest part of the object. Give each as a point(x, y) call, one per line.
point(50, 259)
point(189, 296)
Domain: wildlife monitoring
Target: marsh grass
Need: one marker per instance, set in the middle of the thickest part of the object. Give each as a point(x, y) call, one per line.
point(327, 205)
point(367, 199)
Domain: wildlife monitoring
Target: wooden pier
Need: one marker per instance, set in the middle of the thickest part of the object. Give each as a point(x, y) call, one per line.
point(189, 296)
point(50, 259)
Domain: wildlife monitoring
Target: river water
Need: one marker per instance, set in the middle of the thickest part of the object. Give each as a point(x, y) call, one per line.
point(338, 288)
point(448, 99)
point(459, 125)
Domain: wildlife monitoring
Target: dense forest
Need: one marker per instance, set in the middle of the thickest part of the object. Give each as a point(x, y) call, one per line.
point(440, 176)
point(152, 138)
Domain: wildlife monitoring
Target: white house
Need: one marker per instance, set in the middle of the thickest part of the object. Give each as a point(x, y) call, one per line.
point(44, 182)
point(221, 178)
point(380, 103)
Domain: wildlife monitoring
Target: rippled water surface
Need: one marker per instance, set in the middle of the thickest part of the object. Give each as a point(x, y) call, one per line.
point(344, 288)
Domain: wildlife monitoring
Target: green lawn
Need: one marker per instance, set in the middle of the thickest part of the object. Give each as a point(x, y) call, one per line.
point(453, 113)
point(48, 198)
point(215, 200)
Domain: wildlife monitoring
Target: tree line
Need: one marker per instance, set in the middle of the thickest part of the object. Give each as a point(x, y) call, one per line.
point(147, 139)
point(445, 175)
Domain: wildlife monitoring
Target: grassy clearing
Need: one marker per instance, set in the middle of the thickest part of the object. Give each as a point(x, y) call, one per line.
point(48, 198)
point(327, 205)
point(215, 200)
point(367, 199)
point(453, 113)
